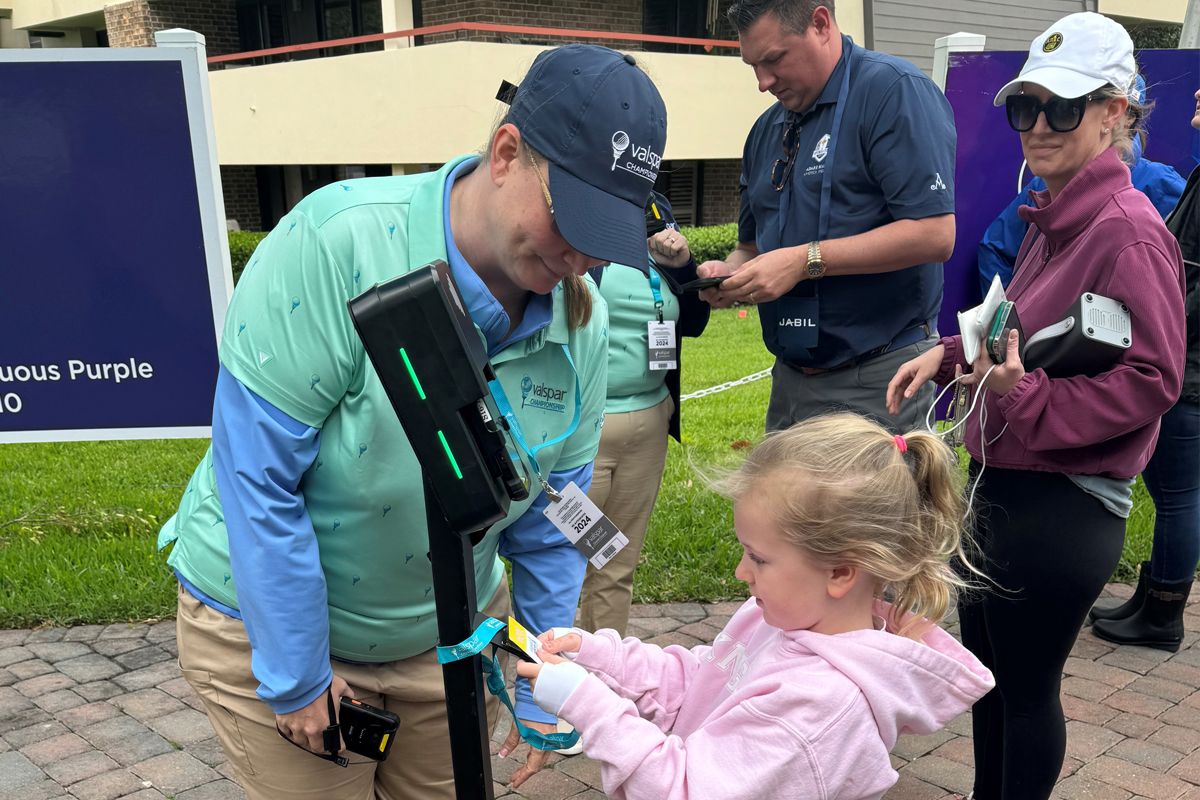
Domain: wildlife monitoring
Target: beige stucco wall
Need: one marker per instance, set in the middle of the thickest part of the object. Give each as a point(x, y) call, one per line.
point(1150, 10)
point(850, 19)
point(427, 104)
point(32, 13)
point(11, 38)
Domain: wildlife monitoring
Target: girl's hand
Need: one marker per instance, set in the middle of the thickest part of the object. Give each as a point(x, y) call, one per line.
point(1005, 376)
point(527, 669)
point(567, 643)
point(912, 375)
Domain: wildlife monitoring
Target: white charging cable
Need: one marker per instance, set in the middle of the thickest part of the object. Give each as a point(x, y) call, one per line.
point(983, 416)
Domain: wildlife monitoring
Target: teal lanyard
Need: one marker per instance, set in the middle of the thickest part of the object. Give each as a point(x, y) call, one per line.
point(475, 644)
point(656, 292)
point(514, 426)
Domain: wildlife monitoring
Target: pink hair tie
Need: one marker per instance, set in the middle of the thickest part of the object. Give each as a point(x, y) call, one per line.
point(901, 443)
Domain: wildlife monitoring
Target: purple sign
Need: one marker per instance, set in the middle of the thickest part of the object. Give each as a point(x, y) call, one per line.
point(989, 151)
point(113, 277)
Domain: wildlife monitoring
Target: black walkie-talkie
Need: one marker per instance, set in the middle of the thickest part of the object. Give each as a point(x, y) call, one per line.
point(367, 730)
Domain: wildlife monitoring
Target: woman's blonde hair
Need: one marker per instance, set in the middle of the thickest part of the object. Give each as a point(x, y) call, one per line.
point(576, 296)
point(1132, 124)
point(840, 488)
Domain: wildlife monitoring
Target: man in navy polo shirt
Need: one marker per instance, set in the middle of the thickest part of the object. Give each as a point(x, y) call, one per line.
point(847, 211)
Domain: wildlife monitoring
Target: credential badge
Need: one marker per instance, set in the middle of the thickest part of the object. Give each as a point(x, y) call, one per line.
point(822, 149)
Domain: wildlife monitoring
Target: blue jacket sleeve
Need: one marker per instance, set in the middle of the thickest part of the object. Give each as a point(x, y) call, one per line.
point(547, 575)
point(1159, 182)
point(1002, 241)
point(259, 456)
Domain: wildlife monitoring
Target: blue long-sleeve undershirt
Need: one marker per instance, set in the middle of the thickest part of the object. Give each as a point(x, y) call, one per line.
point(547, 575)
point(259, 456)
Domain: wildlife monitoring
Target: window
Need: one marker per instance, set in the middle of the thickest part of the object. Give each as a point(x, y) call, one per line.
point(264, 24)
point(679, 181)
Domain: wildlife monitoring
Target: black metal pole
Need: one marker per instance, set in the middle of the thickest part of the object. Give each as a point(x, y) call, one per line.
point(453, 565)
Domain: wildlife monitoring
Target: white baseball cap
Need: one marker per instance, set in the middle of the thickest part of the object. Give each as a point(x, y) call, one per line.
point(1076, 55)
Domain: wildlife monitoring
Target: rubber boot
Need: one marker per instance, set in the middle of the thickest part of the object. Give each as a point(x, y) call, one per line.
point(1158, 623)
point(1130, 606)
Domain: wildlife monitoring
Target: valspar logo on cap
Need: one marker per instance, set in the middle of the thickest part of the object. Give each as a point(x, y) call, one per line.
point(620, 143)
point(641, 161)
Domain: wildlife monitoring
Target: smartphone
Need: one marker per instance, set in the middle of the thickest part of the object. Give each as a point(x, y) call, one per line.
point(367, 730)
point(1004, 322)
point(701, 283)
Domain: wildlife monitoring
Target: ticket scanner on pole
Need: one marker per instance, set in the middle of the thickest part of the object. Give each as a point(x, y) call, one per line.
point(433, 366)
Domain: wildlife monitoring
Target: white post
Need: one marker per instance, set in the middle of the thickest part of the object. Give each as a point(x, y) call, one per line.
point(397, 16)
point(1189, 37)
point(208, 169)
point(954, 43)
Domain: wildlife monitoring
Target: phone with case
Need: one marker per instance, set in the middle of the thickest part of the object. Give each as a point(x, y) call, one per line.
point(1004, 322)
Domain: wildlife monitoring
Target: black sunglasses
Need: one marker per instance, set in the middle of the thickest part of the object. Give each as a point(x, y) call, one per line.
point(782, 168)
point(1062, 115)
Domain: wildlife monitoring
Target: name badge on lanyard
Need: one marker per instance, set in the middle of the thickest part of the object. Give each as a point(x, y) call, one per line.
point(586, 526)
point(797, 318)
point(663, 349)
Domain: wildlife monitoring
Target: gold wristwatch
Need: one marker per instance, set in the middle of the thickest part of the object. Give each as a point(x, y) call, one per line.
point(815, 266)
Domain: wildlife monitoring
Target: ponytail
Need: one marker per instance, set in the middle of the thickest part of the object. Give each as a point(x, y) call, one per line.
point(929, 590)
point(578, 301)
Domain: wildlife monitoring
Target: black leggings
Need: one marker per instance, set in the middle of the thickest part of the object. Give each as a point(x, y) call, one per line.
point(1051, 547)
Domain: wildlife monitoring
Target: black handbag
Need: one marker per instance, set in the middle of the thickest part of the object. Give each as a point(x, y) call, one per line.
point(1088, 341)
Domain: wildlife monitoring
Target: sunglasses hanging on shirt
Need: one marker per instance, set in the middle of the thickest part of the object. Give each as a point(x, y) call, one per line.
point(781, 170)
point(1062, 114)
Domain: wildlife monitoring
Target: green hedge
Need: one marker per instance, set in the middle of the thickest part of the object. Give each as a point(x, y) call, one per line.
point(712, 242)
point(241, 247)
point(707, 243)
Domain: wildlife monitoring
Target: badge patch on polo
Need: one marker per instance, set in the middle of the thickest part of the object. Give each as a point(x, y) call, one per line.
point(543, 395)
point(822, 149)
point(1052, 43)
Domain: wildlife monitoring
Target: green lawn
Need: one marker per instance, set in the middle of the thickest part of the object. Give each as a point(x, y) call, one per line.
point(78, 521)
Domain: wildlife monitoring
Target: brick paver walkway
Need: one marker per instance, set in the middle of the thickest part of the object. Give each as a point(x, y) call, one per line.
point(100, 712)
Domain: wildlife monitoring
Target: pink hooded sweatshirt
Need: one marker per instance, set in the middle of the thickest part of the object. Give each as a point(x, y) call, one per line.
point(764, 713)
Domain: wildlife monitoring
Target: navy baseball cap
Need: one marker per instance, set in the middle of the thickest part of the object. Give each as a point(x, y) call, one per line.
point(601, 124)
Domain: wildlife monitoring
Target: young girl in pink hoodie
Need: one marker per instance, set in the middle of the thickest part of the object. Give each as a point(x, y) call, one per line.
point(806, 689)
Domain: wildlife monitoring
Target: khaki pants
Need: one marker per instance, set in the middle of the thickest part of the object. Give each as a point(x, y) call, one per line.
point(214, 655)
point(625, 481)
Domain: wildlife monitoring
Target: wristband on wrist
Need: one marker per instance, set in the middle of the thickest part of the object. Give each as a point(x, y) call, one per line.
point(555, 684)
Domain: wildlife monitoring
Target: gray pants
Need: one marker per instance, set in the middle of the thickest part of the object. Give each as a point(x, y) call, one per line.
point(862, 389)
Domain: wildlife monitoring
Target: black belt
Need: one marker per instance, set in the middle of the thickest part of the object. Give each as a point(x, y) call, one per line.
point(906, 337)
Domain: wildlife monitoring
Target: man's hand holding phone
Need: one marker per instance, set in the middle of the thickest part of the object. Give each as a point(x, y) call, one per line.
point(719, 270)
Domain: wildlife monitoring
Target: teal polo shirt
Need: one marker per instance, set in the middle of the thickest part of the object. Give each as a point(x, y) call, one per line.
point(632, 386)
point(289, 339)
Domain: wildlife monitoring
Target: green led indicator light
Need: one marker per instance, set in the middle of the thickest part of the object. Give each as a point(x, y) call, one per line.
point(450, 455)
point(412, 373)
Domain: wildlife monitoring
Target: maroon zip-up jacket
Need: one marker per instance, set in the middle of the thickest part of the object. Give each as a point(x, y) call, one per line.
point(1098, 235)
